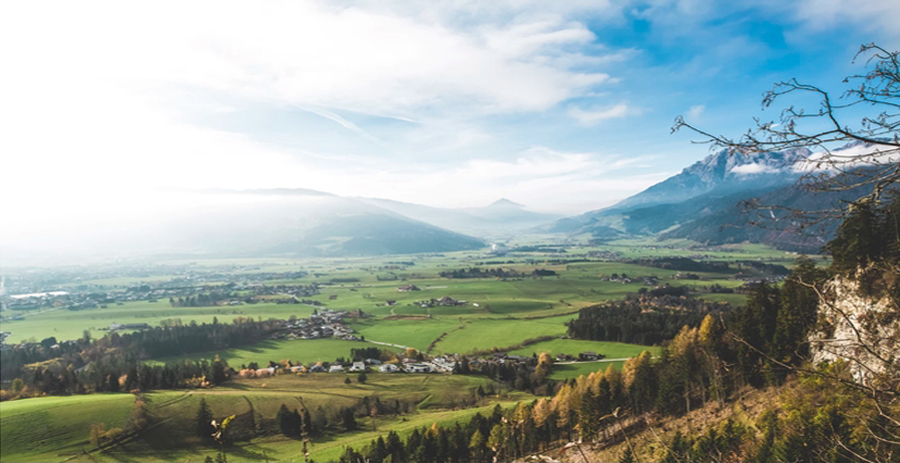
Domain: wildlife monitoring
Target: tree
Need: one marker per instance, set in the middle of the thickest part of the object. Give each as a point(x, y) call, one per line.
point(347, 380)
point(361, 378)
point(204, 420)
point(348, 419)
point(284, 421)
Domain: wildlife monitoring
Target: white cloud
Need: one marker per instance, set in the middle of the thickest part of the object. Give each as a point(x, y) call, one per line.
point(753, 168)
point(696, 110)
point(94, 93)
point(592, 117)
point(870, 15)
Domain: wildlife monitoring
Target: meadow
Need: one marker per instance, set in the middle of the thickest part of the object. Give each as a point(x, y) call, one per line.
point(58, 428)
point(66, 324)
point(304, 351)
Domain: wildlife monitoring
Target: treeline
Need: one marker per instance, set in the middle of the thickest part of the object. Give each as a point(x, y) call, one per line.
point(647, 318)
point(682, 263)
point(470, 442)
point(531, 375)
point(868, 242)
point(498, 272)
point(115, 362)
point(202, 299)
point(686, 264)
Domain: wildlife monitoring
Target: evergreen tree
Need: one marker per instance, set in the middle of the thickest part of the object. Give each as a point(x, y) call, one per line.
point(283, 419)
point(204, 420)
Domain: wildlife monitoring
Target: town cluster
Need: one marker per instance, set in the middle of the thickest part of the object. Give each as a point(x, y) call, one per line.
point(323, 323)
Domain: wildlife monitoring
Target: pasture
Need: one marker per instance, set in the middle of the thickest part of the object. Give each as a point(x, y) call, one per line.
point(70, 324)
point(304, 351)
point(612, 350)
point(58, 428)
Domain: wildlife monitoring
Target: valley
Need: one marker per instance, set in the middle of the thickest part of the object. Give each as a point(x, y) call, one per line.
point(393, 305)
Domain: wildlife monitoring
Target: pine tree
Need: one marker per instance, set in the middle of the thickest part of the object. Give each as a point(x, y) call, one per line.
point(283, 419)
point(204, 420)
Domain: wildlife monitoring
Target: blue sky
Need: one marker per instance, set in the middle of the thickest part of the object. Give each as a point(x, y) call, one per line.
point(562, 106)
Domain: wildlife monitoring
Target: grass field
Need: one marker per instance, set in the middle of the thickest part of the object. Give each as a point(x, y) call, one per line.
point(584, 368)
point(305, 351)
point(68, 324)
point(488, 333)
point(57, 428)
point(611, 350)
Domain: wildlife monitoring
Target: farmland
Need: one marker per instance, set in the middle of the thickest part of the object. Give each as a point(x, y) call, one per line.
point(53, 428)
point(523, 315)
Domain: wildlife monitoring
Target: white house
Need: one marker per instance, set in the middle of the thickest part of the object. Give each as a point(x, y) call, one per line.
point(418, 368)
point(389, 368)
point(336, 369)
point(358, 366)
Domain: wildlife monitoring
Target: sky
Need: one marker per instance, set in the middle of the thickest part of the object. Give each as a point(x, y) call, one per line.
point(562, 106)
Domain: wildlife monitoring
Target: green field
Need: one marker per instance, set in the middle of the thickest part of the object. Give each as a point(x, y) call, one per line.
point(488, 333)
point(611, 350)
point(57, 428)
point(575, 370)
point(68, 324)
point(304, 351)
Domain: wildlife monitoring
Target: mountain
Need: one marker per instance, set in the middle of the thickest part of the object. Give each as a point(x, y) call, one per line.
point(700, 189)
point(777, 228)
point(500, 218)
point(309, 223)
point(704, 203)
point(247, 223)
point(724, 172)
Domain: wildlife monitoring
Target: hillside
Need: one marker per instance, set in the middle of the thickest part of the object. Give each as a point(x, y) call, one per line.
point(250, 223)
point(729, 224)
point(500, 218)
point(706, 186)
point(704, 203)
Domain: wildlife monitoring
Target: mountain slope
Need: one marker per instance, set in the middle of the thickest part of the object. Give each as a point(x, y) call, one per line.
point(249, 223)
point(499, 218)
point(719, 180)
point(724, 171)
point(775, 228)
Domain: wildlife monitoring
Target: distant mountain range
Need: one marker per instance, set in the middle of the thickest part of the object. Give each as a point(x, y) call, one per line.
point(702, 203)
point(501, 218)
point(307, 223)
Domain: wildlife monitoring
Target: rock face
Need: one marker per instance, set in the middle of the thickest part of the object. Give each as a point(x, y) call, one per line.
point(862, 330)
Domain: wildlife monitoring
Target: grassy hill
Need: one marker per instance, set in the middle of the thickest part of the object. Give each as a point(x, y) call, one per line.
point(58, 428)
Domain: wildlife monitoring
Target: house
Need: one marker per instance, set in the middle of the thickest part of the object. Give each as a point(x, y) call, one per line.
point(358, 366)
point(373, 362)
point(317, 369)
point(336, 369)
point(298, 369)
point(587, 355)
point(418, 368)
point(389, 368)
point(408, 288)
